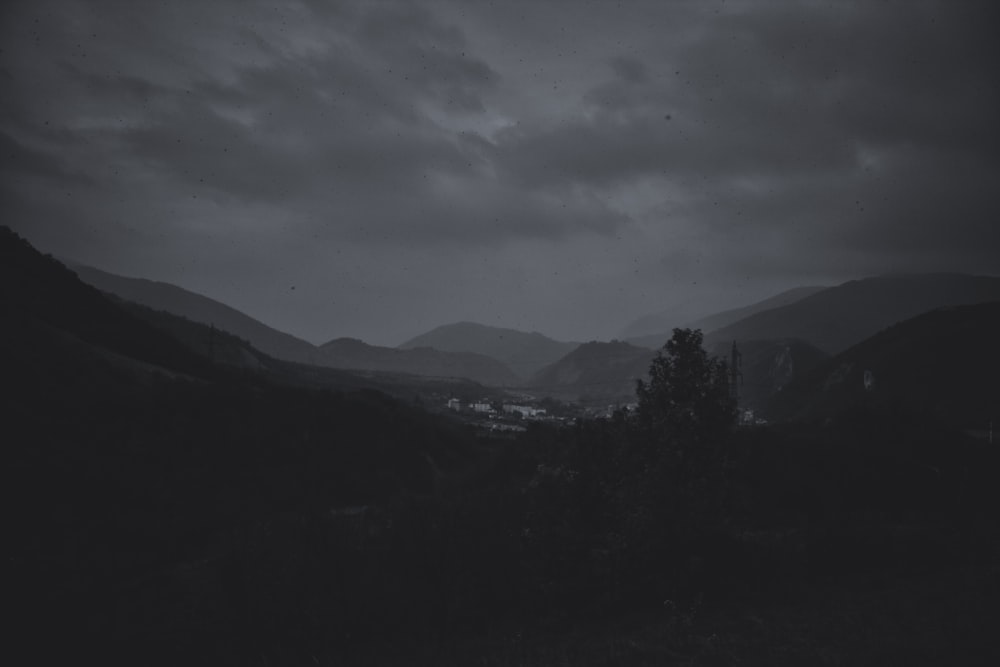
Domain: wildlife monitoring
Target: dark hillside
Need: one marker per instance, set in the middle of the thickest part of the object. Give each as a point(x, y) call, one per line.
point(942, 364)
point(168, 508)
point(726, 317)
point(839, 317)
point(166, 299)
point(597, 370)
point(226, 349)
point(38, 293)
point(198, 308)
point(769, 365)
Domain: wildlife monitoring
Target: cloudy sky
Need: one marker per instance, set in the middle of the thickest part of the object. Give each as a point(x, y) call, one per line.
point(375, 169)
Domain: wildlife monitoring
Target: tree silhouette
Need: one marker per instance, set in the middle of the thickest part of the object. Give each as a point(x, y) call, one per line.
point(686, 399)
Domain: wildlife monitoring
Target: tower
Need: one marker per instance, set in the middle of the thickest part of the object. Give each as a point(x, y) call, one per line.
point(735, 373)
point(211, 342)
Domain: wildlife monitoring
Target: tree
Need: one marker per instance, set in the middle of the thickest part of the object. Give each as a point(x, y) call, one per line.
point(686, 400)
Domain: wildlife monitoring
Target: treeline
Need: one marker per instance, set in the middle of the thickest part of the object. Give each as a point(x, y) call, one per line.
point(167, 510)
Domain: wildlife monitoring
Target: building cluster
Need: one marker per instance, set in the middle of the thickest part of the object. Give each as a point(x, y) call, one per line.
point(526, 411)
point(747, 417)
point(485, 408)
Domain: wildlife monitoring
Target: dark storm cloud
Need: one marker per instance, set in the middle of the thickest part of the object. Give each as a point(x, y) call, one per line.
point(19, 160)
point(602, 154)
point(347, 125)
point(774, 89)
point(630, 70)
point(805, 103)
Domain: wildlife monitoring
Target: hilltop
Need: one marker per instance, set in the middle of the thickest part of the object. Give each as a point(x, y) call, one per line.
point(523, 353)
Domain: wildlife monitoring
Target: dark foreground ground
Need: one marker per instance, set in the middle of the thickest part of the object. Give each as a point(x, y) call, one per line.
point(945, 614)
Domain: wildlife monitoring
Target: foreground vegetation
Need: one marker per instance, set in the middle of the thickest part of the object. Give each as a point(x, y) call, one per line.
point(168, 510)
point(243, 524)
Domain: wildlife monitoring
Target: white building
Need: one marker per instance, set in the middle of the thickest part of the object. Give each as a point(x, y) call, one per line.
point(526, 411)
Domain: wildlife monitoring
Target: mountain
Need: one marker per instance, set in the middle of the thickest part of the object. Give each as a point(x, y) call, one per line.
point(838, 317)
point(356, 354)
point(769, 365)
point(223, 348)
point(359, 356)
point(595, 370)
point(214, 344)
point(164, 500)
point(173, 299)
point(941, 364)
point(49, 312)
point(523, 353)
point(718, 320)
point(727, 317)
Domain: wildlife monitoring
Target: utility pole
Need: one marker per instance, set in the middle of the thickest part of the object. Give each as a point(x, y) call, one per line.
point(211, 343)
point(735, 373)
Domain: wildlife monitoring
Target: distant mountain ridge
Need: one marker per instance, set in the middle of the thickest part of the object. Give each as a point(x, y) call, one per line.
point(830, 319)
point(523, 353)
point(336, 354)
point(199, 308)
point(357, 354)
point(727, 317)
point(839, 317)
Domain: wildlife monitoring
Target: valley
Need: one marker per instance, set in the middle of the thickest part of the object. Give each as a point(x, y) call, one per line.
point(196, 498)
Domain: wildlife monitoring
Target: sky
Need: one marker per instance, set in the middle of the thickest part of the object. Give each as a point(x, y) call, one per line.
point(376, 169)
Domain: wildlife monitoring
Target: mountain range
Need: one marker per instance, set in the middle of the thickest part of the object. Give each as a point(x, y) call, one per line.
point(780, 338)
point(340, 353)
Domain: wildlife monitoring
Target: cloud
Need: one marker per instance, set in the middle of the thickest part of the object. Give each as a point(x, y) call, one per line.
point(630, 70)
point(18, 161)
point(666, 149)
